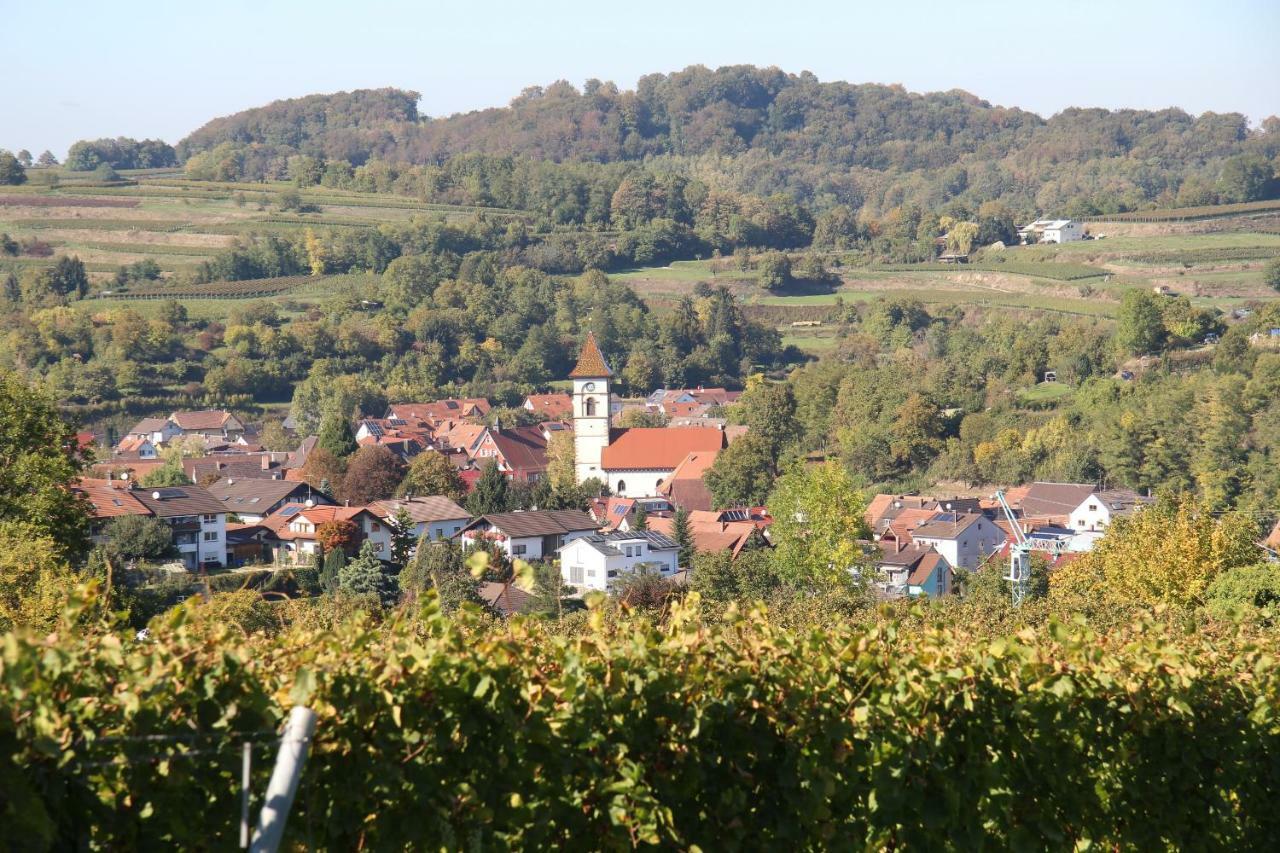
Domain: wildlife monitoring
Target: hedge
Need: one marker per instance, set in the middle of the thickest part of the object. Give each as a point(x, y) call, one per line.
point(437, 733)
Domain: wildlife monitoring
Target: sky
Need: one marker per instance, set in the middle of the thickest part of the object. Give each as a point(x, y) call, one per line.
point(76, 70)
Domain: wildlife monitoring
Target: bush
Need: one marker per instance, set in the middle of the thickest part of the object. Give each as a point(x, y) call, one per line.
point(445, 733)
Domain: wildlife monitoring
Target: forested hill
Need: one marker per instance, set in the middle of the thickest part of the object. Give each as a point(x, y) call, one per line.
point(768, 131)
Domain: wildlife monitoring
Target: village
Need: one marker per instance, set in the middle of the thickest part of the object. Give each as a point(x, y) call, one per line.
point(247, 508)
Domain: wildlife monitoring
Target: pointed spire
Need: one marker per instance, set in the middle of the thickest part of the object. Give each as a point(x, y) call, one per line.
point(591, 363)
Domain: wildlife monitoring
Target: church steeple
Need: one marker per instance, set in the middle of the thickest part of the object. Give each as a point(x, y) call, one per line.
point(591, 363)
point(591, 410)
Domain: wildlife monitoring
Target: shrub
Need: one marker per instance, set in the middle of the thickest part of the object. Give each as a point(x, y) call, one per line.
point(444, 733)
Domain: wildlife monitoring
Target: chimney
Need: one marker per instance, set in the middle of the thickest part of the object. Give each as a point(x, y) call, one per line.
point(266, 462)
point(897, 544)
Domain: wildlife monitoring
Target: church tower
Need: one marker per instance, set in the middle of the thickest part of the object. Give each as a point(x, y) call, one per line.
point(590, 410)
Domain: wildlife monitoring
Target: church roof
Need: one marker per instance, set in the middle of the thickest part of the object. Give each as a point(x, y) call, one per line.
point(658, 448)
point(591, 363)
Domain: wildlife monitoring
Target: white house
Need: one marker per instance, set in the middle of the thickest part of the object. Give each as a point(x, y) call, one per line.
point(964, 539)
point(531, 535)
point(1053, 231)
point(1098, 510)
point(597, 561)
point(433, 516)
point(198, 521)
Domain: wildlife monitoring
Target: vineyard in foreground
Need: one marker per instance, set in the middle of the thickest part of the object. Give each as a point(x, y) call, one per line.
point(438, 733)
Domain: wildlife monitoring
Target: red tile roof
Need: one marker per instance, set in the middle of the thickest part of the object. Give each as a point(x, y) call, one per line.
point(591, 363)
point(206, 419)
point(685, 487)
point(658, 448)
point(110, 498)
point(440, 410)
point(523, 449)
point(550, 406)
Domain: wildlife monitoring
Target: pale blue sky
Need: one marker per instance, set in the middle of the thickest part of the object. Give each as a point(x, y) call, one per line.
point(147, 69)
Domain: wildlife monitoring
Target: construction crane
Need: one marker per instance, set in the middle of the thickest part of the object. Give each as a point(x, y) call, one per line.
point(1019, 555)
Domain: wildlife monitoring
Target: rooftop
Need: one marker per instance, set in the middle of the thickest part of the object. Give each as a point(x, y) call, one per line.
point(546, 522)
point(591, 363)
point(421, 510)
point(658, 448)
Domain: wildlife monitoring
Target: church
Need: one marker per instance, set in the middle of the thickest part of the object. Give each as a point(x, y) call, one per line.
point(632, 462)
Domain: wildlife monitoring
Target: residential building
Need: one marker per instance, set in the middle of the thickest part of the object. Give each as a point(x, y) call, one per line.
point(434, 516)
point(137, 447)
point(685, 486)
point(520, 452)
point(965, 539)
point(158, 431)
point(239, 466)
point(530, 535)
point(294, 527)
point(505, 599)
point(109, 499)
point(615, 513)
point(1050, 503)
point(473, 408)
point(1098, 510)
point(252, 500)
point(550, 407)
point(732, 530)
point(1053, 231)
point(597, 561)
point(198, 521)
point(210, 423)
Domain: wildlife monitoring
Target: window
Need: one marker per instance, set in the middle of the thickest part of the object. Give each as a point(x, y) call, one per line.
point(1080, 522)
point(622, 487)
point(210, 519)
point(377, 546)
point(519, 549)
point(591, 573)
point(575, 575)
point(1093, 507)
point(211, 536)
point(375, 527)
point(613, 573)
point(589, 407)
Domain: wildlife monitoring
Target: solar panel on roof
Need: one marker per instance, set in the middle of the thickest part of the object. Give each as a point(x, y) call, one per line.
point(396, 422)
point(290, 511)
point(374, 429)
point(620, 510)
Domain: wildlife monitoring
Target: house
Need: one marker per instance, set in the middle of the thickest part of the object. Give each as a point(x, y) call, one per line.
point(209, 423)
point(473, 408)
point(549, 407)
point(239, 466)
point(531, 535)
point(137, 447)
point(108, 499)
point(505, 599)
point(252, 500)
point(911, 510)
point(615, 513)
point(732, 530)
point(1098, 510)
point(294, 527)
point(520, 452)
point(1050, 503)
point(198, 521)
point(685, 487)
point(433, 516)
point(1052, 231)
point(965, 539)
point(912, 569)
point(598, 560)
point(667, 400)
point(158, 431)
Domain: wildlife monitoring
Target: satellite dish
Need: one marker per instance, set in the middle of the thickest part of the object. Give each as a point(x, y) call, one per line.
point(155, 496)
point(309, 503)
point(124, 476)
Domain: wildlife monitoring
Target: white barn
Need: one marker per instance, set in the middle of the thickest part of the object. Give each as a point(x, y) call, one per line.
point(1053, 231)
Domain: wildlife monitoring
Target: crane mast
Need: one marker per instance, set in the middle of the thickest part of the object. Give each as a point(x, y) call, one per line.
point(1019, 574)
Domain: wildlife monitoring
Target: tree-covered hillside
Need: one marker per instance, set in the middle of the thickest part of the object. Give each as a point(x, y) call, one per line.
point(764, 131)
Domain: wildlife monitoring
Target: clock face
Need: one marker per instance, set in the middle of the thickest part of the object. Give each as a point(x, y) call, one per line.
point(590, 386)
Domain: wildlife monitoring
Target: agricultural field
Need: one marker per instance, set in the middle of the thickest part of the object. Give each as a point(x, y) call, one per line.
point(1216, 263)
point(179, 224)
